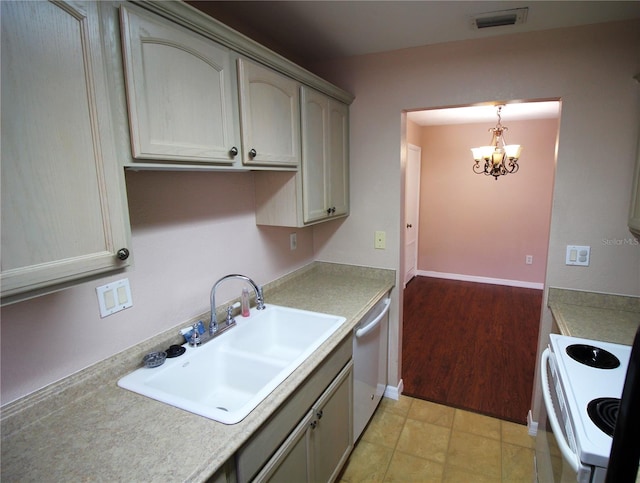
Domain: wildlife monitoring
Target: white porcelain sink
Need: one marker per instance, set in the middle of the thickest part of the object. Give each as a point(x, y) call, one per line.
point(226, 378)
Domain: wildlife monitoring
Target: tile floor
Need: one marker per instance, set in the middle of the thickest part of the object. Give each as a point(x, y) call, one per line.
point(411, 440)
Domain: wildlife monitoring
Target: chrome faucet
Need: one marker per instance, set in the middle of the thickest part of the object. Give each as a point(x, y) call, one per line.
point(213, 324)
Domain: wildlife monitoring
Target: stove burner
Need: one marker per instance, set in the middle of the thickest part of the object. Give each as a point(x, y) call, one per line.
point(604, 412)
point(593, 356)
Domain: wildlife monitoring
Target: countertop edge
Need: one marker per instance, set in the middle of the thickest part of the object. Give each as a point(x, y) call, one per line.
point(20, 416)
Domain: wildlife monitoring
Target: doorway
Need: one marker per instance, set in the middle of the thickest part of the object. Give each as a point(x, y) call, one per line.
point(467, 221)
point(411, 210)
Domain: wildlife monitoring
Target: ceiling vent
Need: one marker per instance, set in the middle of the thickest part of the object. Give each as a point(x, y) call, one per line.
point(514, 16)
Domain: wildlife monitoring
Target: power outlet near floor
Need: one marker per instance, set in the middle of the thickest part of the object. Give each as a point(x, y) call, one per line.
point(528, 259)
point(293, 241)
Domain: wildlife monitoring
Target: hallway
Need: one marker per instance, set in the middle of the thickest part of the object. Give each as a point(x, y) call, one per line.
point(471, 345)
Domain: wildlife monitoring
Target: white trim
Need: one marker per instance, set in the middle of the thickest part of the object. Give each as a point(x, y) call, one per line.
point(474, 278)
point(532, 425)
point(394, 392)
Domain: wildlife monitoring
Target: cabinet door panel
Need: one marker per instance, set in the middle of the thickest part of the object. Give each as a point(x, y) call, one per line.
point(332, 438)
point(339, 157)
point(315, 121)
point(270, 116)
point(62, 186)
point(180, 89)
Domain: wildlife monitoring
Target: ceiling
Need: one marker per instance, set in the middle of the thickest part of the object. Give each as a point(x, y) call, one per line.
point(309, 31)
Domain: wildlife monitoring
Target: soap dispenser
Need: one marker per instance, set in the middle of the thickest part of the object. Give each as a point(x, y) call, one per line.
point(244, 299)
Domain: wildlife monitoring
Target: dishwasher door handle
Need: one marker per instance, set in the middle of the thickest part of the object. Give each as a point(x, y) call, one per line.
point(371, 325)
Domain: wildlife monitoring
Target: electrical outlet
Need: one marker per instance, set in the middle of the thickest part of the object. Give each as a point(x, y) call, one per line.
point(380, 241)
point(293, 241)
point(528, 259)
point(114, 297)
point(578, 255)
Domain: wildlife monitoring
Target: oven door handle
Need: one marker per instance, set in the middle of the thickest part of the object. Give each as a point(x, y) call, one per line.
point(565, 449)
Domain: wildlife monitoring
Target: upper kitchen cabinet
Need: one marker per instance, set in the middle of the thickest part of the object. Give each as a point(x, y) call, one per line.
point(320, 190)
point(325, 154)
point(634, 211)
point(270, 116)
point(181, 94)
point(64, 216)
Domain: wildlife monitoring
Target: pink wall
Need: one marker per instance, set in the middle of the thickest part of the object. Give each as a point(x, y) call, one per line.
point(188, 230)
point(475, 225)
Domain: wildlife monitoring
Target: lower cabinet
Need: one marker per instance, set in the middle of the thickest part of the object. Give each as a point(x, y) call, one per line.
point(321, 443)
point(310, 437)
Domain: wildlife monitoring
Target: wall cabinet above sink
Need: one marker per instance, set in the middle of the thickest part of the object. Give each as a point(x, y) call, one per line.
point(200, 96)
point(181, 95)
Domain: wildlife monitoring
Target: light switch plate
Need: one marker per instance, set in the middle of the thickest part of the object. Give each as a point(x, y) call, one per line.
point(114, 297)
point(578, 255)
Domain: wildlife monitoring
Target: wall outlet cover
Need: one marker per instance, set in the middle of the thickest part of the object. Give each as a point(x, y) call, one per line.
point(578, 255)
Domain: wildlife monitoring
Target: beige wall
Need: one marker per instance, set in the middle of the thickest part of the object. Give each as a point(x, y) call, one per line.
point(474, 225)
point(589, 68)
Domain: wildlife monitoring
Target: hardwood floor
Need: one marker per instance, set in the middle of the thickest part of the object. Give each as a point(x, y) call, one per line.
point(471, 345)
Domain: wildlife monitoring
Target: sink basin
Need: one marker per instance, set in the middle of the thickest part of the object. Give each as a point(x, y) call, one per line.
point(226, 378)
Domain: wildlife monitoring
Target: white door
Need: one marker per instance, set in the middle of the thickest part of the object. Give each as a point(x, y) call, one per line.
point(411, 210)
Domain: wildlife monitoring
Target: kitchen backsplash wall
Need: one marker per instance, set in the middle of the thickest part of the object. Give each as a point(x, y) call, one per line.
point(188, 230)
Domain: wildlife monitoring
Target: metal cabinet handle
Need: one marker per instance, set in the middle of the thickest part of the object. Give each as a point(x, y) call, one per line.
point(123, 254)
point(314, 424)
point(331, 210)
point(409, 225)
point(319, 414)
point(233, 151)
point(253, 153)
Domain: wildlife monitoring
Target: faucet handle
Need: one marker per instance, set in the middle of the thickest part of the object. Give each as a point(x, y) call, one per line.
point(194, 340)
point(230, 319)
point(260, 299)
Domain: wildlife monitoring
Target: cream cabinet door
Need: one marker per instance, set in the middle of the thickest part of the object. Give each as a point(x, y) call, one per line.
point(270, 116)
point(181, 93)
point(338, 158)
point(325, 156)
point(63, 197)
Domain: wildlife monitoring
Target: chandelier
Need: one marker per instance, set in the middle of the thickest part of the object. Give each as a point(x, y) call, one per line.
point(499, 159)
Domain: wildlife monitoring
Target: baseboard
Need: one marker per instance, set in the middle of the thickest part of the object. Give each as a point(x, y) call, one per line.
point(473, 278)
point(394, 392)
point(532, 425)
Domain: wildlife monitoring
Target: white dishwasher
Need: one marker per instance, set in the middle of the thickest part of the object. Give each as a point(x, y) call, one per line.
point(370, 341)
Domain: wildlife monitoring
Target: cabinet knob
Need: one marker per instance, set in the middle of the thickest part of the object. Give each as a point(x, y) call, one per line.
point(314, 424)
point(253, 153)
point(409, 225)
point(123, 254)
point(319, 414)
point(333, 210)
point(233, 151)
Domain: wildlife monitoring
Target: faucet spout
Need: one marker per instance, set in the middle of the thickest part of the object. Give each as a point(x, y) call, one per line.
point(213, 323)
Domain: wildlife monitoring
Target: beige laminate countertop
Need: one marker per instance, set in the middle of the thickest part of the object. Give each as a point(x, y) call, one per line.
point(86, 428)
point(596, 316)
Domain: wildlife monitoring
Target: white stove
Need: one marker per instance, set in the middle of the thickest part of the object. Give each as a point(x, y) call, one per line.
point(595, 379)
